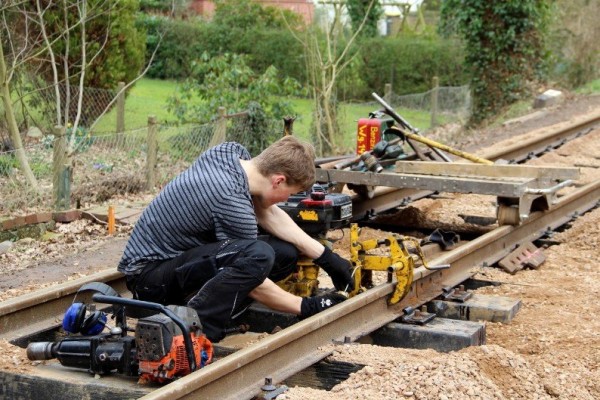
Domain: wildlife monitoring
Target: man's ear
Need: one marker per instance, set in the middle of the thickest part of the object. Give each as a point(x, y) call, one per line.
point(278, 179)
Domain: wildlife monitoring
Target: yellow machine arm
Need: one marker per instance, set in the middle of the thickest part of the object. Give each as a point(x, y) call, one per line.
point(398, 262)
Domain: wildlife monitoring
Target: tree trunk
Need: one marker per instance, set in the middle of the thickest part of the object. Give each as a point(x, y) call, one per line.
point(13, 129)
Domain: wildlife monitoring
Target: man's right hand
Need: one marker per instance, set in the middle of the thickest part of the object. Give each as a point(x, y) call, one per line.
point(313, 305)
point(339, 269)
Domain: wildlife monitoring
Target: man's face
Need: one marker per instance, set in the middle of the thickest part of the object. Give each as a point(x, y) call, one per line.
point(277, 192)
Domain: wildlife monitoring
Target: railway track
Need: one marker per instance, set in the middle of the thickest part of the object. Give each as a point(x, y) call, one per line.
point(241, 374)
point(244, 371)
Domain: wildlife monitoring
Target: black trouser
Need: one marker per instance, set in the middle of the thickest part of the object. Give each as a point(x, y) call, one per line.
point(215, 279)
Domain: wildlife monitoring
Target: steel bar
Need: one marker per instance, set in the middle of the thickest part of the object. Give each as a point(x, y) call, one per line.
point(496, 171)
point(500, 187)
point(433, 144)
point(385, 198)
point(549, 190)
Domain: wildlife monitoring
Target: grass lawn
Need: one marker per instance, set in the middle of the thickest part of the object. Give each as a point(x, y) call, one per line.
point(149, 97)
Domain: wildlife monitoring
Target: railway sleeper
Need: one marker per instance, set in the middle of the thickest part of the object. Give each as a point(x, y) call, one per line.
point(479, 307)
point(455, 321)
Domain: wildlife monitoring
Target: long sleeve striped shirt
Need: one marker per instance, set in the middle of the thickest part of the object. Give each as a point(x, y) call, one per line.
point(208, 202)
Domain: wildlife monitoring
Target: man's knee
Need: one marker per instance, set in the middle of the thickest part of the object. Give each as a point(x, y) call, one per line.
point(286, 254)
point(256, 258)
point(286, 260)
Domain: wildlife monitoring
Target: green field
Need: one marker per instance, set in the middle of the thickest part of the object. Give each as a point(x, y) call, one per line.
point(149, 97)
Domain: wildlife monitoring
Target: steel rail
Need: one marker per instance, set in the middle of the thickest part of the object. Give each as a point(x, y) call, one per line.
point(279, 356)
point(242, 373)
point(544, 139)
point(41, 310)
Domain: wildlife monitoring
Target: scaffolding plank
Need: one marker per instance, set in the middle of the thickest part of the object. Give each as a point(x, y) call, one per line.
point(462, 169)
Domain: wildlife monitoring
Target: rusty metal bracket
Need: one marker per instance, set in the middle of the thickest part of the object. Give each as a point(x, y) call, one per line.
point(417, 316)
point(525, 255)
point(458, 294)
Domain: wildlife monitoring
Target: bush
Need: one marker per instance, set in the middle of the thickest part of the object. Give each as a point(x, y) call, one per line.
point(258, 33)
point(114, 50)
point(267, 47)
point(110, 24)
point(408, 62)
point(182, 43)
point(227, 81)
point(505, 48)
point(573, 42)
point(8, 162)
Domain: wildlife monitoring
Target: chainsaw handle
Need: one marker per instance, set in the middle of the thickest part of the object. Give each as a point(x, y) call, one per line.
point(189, 348)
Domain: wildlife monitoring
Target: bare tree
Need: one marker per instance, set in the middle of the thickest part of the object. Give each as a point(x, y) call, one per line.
point(31, 41)
point(324, 65)
point(76, 14)
point(25, 35)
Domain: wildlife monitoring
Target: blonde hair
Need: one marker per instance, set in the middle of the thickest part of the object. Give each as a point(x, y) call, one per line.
point(291, 157)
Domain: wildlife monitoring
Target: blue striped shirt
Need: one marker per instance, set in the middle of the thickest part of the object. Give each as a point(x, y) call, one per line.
point(208, 202)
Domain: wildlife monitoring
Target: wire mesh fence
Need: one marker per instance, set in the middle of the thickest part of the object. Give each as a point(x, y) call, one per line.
point(450, 103)
point(95, 168)
point(50, 100)
point(442, 105)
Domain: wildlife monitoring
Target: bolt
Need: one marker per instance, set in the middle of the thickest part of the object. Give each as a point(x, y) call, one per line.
point(268, 386)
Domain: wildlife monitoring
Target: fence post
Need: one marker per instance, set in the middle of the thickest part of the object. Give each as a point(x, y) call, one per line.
point(61, 172)
point(434, 100)
point(120, 112)
point(152, 153)
point(387, 93)
point(220, 128)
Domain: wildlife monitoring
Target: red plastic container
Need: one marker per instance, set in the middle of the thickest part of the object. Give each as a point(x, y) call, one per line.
point(368, 133)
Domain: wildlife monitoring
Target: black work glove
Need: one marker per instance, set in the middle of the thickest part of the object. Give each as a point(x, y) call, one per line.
point(339, 270)
point(312, 305)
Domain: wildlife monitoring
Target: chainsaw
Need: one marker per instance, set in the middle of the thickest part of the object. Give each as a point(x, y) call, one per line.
point(167, 343)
